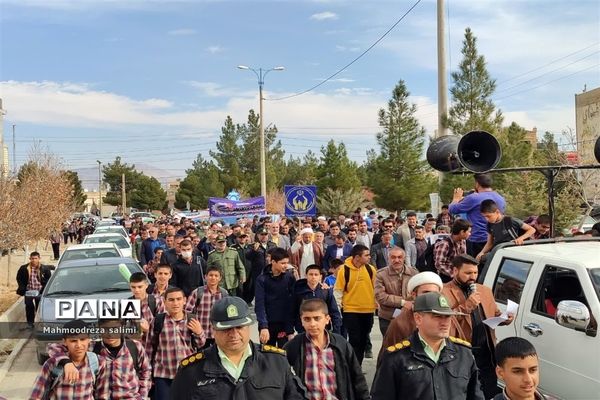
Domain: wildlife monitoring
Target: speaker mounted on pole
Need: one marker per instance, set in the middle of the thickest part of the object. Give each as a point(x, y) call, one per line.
point(476, 151)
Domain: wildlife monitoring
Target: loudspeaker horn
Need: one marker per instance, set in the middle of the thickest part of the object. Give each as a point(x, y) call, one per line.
point(476, 151)
point(597, 149)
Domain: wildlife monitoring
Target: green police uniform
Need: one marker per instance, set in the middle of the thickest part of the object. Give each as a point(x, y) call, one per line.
point(231, 266)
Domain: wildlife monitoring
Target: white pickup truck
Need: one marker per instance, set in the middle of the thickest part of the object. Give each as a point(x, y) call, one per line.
point(557, 286)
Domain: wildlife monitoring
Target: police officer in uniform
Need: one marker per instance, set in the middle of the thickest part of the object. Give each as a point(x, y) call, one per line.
point(235, 368)
point(429, 365)
point(230, 264)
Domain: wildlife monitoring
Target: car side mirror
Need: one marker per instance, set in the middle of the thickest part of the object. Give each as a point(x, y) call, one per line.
point(573, 314)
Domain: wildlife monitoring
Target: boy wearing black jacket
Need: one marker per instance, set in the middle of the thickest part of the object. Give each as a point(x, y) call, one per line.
point(324, 361)
point(311, 288)
point(273, 304)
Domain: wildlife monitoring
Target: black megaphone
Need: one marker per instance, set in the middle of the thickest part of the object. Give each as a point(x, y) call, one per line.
point(476, 151)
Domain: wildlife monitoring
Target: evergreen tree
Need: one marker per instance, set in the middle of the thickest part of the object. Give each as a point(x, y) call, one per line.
point(201, 182)
point(274, 156)
point(301, 171)
point(78, 195)
point(472, 107)
point(398, 175)
point(112, 177)
point(335, 170)
point(228, 156)
point(147, 194)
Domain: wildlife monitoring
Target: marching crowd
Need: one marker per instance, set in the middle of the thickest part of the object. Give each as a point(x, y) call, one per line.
point(314, 286)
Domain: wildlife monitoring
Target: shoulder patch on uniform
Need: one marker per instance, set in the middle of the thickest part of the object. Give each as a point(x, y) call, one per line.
point(271, 349)
point(192, 359)
point(398, 346)
point(459, 341)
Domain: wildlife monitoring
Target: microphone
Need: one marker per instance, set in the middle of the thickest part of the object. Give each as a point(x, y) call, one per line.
point(472, 288)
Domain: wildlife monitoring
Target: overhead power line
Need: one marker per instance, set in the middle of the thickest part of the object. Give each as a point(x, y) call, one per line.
point(351, 62)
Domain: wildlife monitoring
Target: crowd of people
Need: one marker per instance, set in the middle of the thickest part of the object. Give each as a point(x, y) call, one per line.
point(314, 287)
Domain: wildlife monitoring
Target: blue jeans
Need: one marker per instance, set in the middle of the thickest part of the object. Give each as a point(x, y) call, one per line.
point(162, 387)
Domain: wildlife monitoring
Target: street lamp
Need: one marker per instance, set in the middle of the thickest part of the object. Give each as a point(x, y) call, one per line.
point(261, 74)
point(100, 185)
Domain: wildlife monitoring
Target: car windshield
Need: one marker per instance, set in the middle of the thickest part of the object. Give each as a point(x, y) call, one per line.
point(89, 279)
point(595, 275)
point(120, 241)
point(79, 254)
point(108, 229)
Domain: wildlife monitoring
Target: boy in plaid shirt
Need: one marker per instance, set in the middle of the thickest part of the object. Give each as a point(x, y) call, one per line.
point(324, 361)
point(162, 275)
point(172, 337)
point(53, 384)
point(202, 299)
point(126, 363)
point(151, 304)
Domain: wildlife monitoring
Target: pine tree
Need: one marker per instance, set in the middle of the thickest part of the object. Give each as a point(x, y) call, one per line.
point(78, 195)
point(301, 171)
point(147, 194)
point(228, 156)
point(274, 156)
point(112, 177)
point(472, 107)
point(398, 175)
point(201, 182)
point(336, 170)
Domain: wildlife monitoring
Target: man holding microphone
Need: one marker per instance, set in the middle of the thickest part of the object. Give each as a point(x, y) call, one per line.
point(477, 301)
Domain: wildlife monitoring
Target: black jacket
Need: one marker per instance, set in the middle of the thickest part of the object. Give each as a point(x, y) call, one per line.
point(302, 292)
point(266, 376)
point(407, 372)
point(44, 274)
point(258, 258)
point(274, 302)
point(351, 382)
point(169, 257)
point(188, 276)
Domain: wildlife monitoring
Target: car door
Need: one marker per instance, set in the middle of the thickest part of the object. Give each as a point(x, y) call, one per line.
point(568, 358)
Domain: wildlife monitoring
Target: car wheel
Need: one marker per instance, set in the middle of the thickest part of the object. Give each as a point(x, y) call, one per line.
point(41, 358)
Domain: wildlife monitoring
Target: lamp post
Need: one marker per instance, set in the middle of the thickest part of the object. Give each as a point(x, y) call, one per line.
point(261, 74)
point(100, 185)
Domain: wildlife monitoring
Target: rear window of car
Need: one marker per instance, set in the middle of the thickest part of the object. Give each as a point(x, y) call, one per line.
point(118, 240)
point(88, 279)
point(85, 253)
point(511, 279)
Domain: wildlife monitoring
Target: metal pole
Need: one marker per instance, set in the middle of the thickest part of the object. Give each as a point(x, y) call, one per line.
point(123, 194)
point(442, 78)
point(2, 112)
point(14, 152)
point(263, 169)
point(100, 185)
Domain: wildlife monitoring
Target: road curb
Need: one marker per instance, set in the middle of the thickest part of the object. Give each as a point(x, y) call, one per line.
point(7, 365)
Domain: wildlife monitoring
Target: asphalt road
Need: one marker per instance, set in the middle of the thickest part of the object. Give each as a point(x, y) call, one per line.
point(18, 382)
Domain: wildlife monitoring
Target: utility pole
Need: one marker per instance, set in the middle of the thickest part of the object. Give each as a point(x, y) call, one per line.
point(261, 128)
point(442, 78)
point(14, 152)
point(2, 112)
point(100, 184)
point(123, 194)
point(260, 74)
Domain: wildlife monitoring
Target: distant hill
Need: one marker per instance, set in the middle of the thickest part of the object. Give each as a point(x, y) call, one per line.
point(89, 176)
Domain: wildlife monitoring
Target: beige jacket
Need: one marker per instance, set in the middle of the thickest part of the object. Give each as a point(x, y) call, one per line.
point(391, 289)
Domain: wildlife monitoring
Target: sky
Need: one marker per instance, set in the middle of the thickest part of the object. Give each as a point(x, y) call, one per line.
point(153, 80)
